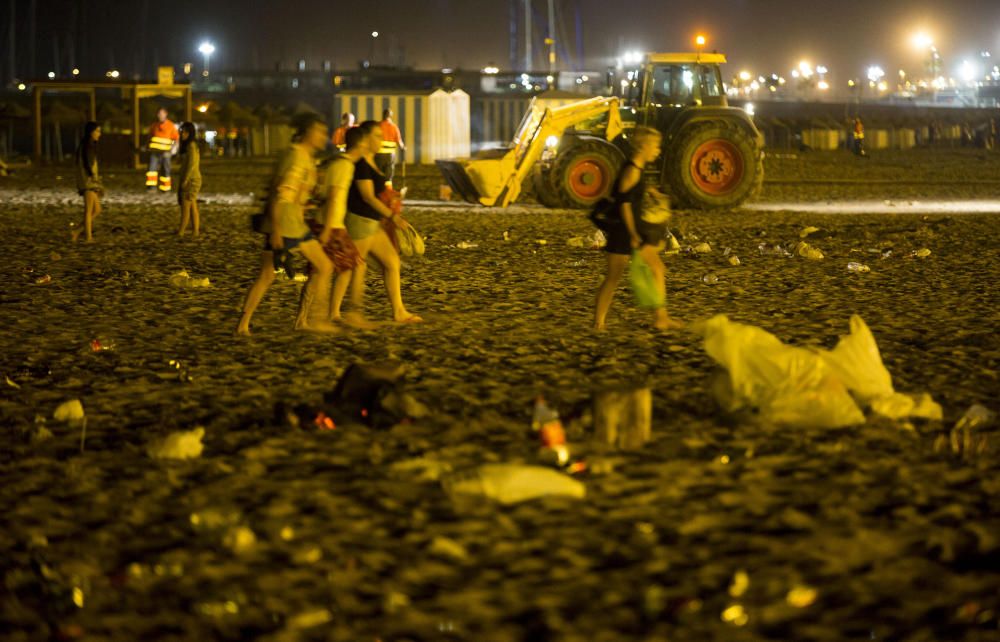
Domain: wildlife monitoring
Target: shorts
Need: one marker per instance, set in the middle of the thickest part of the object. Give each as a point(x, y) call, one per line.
point(98, 190)
point(290, 243)
point(360, 227)
point(619, 241)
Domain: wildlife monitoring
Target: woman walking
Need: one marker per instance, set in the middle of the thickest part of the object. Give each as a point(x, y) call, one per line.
point(190, 183)
point(286, 230)
point(629, 230)
point(88, 180)
point(365, 213)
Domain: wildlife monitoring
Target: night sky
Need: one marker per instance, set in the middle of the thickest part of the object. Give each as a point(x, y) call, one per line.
point(762, 35)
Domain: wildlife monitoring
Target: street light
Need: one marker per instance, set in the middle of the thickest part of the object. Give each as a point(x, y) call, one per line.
point(206, 49)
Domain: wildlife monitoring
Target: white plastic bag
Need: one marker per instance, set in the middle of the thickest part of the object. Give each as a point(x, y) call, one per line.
point(787, 385)
point(514, 483)
point(858, 363)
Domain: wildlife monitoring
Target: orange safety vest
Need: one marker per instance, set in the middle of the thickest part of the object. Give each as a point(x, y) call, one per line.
point(162, 136)
point(859, 130)
point(391, 137)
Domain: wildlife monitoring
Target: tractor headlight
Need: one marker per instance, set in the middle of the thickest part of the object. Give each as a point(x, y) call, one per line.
point(551, 142)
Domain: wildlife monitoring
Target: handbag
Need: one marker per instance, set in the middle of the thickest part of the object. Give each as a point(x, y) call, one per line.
point(406, 240)
point(655, 208)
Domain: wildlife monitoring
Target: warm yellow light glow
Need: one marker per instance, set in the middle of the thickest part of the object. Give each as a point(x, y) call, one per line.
point(21, 86)
point(823, 85)
point(922, 40)
point(203, 107)
point(745, 76)
point(700, 40)
point(76, 72)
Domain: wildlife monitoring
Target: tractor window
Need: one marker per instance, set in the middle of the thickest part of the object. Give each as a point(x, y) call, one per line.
point(673, 85)
point(709, 81)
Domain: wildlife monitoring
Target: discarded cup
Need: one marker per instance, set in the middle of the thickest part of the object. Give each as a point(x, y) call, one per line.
point(854, 266)
point(976, 416)
point(710, 279)
point(734, 260)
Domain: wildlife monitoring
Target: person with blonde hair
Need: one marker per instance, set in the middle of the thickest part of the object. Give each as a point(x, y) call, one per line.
point(631, 229)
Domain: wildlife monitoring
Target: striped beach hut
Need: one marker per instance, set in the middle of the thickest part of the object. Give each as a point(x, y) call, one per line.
point(434, 124)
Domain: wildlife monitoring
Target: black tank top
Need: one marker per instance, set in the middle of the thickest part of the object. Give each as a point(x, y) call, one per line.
point(632, 196)
point(356, 204)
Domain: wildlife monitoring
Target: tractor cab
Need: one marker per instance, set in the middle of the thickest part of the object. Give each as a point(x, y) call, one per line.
point(664, 85)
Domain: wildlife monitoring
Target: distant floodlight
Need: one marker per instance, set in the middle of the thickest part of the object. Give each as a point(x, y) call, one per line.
point(922, 40)
point(374, 34)
point(206, 48)
point(875, 73)
point(76, 72)
point(52, 74)
point(700, 40)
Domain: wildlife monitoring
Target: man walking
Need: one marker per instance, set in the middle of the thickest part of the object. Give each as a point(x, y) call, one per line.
point(339, 139)
point(163, 140)
point(392, 139)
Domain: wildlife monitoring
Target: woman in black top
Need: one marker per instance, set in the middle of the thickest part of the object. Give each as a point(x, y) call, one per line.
point(632, 229)
point(365, 213)
point(88, 180)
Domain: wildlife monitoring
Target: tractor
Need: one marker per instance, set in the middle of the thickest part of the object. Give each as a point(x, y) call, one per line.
point(712, 153)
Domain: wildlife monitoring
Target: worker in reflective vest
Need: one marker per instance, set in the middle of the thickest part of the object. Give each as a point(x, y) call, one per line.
point(163, 139)
point(392, 140)
point(859, 137)
point(339, 138)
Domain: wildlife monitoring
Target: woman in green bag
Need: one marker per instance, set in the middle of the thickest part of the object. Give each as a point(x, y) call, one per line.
point(631, 232)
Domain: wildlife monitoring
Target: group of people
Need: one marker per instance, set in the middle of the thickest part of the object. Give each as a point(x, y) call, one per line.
point(357, 210)
point(164, 134)
point(392, 141)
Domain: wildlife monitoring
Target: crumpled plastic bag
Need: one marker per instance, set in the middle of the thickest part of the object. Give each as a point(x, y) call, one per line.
point(787, 385)
point(803, 387)
point(69, 411)
point(515, 483)
point(858, 363)
point(184, 280)
point(178, 445)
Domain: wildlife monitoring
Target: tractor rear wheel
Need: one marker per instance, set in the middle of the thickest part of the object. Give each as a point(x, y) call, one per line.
point(541, 184)
point(715, 165)
point(585, 173)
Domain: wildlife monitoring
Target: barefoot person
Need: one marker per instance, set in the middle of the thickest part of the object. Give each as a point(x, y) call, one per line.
point(88, 179)
point(286, 229)
point(328, 225)
point(629, 231)
point(190, 183)
point(365, 213)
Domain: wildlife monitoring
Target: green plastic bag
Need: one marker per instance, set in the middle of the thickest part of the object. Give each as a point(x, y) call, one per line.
point(640, 277)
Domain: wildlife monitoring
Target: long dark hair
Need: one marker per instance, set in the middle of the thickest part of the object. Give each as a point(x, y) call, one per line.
point(88, 146)
point(188, 127)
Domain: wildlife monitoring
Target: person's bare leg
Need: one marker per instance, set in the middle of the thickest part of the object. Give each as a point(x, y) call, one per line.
point(356, 280)
point(75, 234)
point(315, 291)
point(661, 320)
point(605, 293)
point(340, 284)
point(386, 254)
point(185, 216)
point(195, 217)
point(90, 213)
point(256, 293)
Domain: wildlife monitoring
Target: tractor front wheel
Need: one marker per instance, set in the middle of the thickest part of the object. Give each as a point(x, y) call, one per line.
point(585, 173)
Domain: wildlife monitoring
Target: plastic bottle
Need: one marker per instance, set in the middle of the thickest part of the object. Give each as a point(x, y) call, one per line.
point(854, 266)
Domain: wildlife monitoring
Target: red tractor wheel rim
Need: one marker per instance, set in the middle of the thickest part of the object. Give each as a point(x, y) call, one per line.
point(717, 166)
point(589, 178)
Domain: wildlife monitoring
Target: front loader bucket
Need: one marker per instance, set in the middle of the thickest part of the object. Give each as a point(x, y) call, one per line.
point(454, 174)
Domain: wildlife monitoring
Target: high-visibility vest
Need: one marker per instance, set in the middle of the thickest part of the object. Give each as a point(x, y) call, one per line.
point(162, 136)
point(390, 137)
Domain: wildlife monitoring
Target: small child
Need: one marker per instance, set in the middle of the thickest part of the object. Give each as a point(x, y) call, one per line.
point(190, 183)
point(636, 226)
point(88, 179)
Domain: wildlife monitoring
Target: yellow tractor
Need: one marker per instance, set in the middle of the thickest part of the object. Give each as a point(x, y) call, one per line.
point(712, 153)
